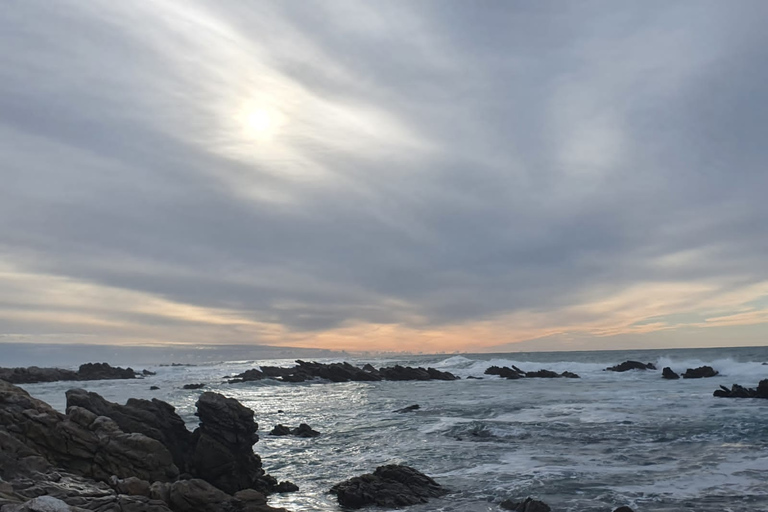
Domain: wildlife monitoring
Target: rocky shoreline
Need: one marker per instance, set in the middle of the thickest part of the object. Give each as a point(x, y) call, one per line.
point(87, 371)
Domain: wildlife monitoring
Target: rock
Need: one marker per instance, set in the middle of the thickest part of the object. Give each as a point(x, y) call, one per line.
point(147, 373)
point(153, 388)
point(474, 378)
point(544, 374)
point(88, 371)
point(223, 454)
point(505, 372)
point(410, 408)
point(390, 486)
point(193, 386)
point(624, 509)
point(196, 495)
point(103, 371)
point(737, 391)
point(132, 486)
point(570, 375)
point(82, 442)
point(304, 430)
point(700, 372)
point(280, 430)
point(528, 505)
point(248, 376)
point(631, 365)
point(153, 418)
point(286, 486)
point(667, 373)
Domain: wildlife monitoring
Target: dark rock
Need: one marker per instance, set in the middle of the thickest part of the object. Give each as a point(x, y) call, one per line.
point(474, 378)
point(153, 388)
point(223, 453)
point(153, 418)
point(248, 376)
point(737, 391)
point(80, 441)
point(304, 430)
point(369, 368)
point(286, 486)
point(280, 430)
point(667, 373)
point(631, 365)
point(505, 372)
point(193, 386)
point(147, 373)
point(570, 375)
point(410, 408)
point(88, 371)
point(700, 372)
point(624, 509)
point(390, 486)
point(528, 505)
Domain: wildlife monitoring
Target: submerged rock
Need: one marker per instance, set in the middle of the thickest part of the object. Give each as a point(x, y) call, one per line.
point(193, 386)
point(390, 486)
point(700, 372)
point(631, 365)
point(302, 430)
point(527, 505)
point(667, 373)
point(410, 408)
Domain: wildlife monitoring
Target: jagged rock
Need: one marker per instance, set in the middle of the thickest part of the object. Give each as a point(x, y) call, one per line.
point(631, 365)
point(153, 388)
point(570, 375)
point(624, 509)
point(667, 373)
point(528, 505)
point(342, 372)
point(280, 430)
point(197, 495)
point(82, 442)
point(42, 504)
point(410, 408)
point(223, 454)
point(544, 374)
point(131, 486)
point(390, 486)
point(148, 373)
point(700, 372)
point(153, 418)
point(737, 391)
point(193, 386)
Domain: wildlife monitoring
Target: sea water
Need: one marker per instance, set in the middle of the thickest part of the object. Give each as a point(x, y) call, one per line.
point(589, 444)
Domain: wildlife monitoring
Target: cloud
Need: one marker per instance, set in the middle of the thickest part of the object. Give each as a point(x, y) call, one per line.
point(430, 175)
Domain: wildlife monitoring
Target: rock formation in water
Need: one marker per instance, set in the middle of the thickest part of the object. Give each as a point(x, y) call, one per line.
point(631, 365)
point(667, 373)
point(303, 430)
point(390, 486)
point(87, 371)
point(514, 373)
point(737, 391)
point(700, 372)
point(340, 372)
point(527, 505)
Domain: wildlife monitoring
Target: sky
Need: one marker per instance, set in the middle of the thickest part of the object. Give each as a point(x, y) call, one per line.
point(384, 175)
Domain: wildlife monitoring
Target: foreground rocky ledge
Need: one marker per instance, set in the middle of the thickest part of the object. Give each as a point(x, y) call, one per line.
point(340, 372)
point(107, 457)
point(87, 371)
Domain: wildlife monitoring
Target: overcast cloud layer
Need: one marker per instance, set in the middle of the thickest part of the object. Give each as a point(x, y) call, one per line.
point(384, 175)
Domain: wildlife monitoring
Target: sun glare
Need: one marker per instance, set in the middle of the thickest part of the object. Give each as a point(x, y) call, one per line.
point(260, 121)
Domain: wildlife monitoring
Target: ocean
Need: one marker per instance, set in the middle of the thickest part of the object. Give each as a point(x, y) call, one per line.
point(590, 444)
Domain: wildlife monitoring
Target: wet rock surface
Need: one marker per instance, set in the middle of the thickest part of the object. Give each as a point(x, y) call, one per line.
point(667, 373)
point(340, 372)
point(303, 430)
point(700, 373)
point(738, 391)
point(390, 486)
point(515, 373)
point(631, 365)
point(87, 371)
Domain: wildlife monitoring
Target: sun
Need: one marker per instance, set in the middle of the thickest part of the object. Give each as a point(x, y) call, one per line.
point(260, 121)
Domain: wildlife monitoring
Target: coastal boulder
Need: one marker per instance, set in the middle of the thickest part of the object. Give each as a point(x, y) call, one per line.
point(737, 391)
point(667, 373)
point(103, 371)
point(505, 372)
point(700, 372)
point(391, 486)
point(631, 365)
